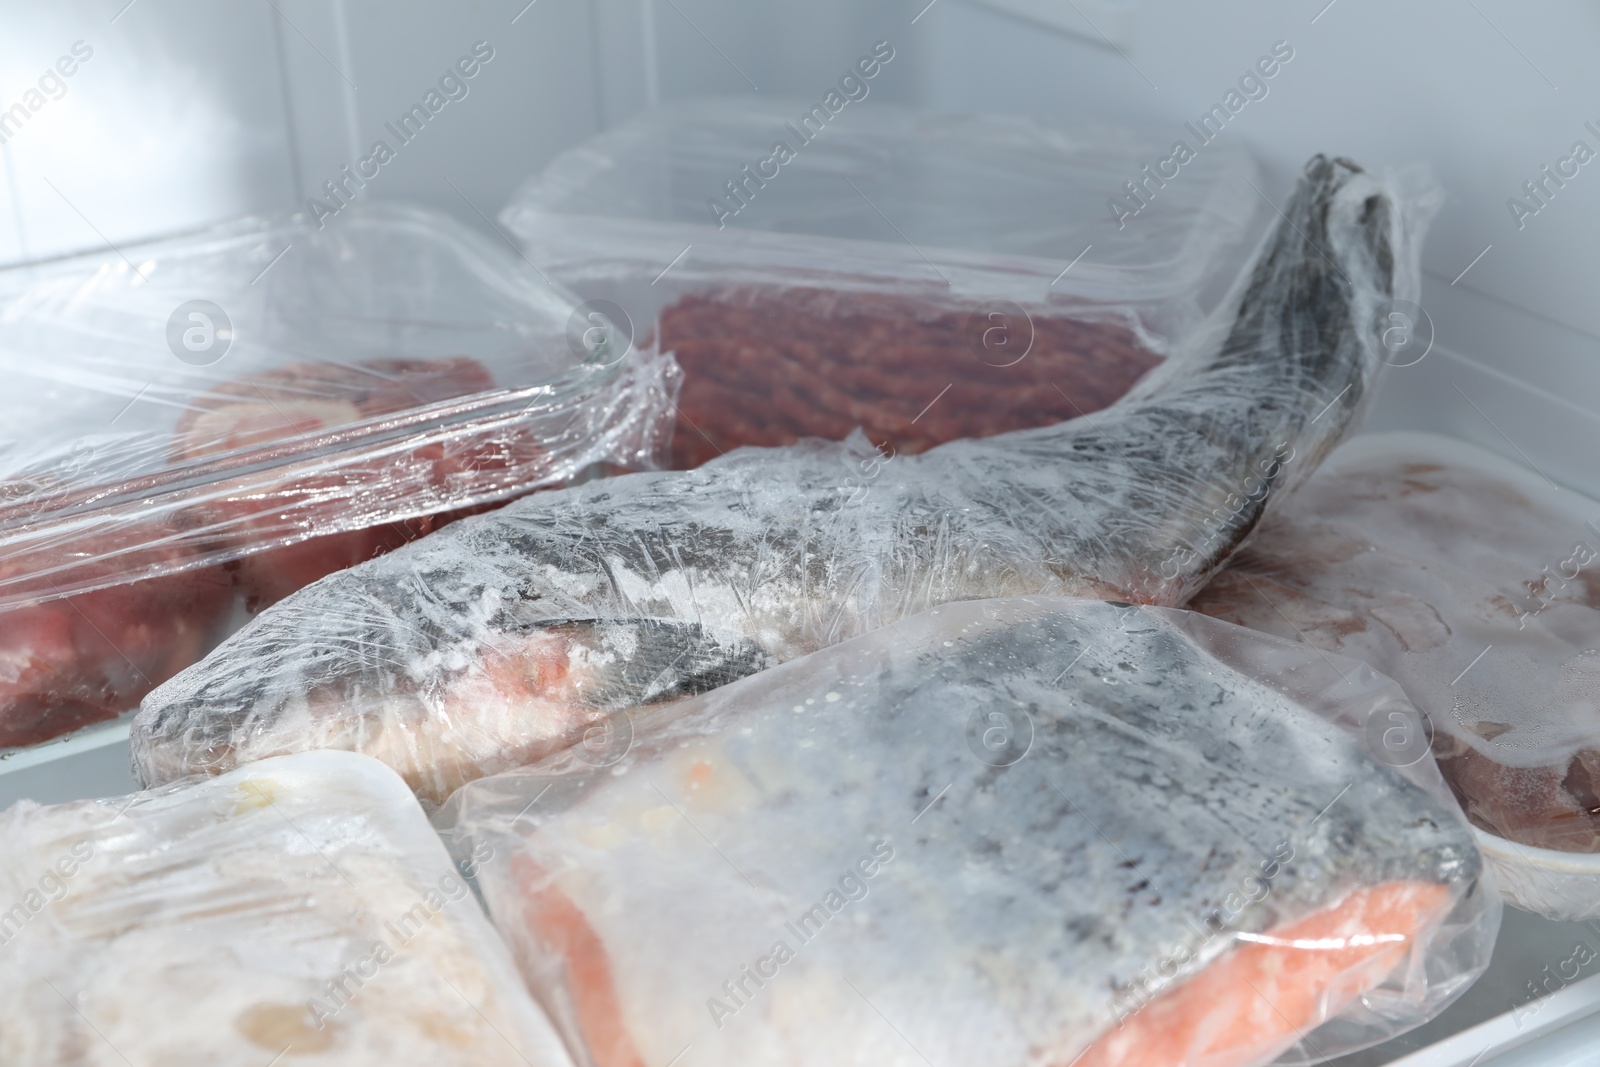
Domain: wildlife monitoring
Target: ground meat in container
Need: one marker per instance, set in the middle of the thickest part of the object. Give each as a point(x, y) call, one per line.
point(768, 366)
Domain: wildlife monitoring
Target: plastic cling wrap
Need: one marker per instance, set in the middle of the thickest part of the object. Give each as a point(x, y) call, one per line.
point(1021, 832)
point(1472, 582)
point(493, 641)
point(298, 911)
point(196, 430)
point(890, 259)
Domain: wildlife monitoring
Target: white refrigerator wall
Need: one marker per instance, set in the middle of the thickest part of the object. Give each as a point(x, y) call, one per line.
point(187, 112)
point(1485, 91)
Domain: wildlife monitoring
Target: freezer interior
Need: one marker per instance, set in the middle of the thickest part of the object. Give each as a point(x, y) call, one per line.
point(179, 114)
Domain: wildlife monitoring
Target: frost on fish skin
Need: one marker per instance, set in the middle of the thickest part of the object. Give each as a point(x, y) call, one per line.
point(767, 554)
point(1021, 908)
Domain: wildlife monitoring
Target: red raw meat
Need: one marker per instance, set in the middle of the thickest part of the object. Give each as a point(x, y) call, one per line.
point(74, 660)
point(769, 366)
point(71, 661)
point(306, 398)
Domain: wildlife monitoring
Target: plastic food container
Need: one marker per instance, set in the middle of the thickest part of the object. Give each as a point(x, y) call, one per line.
point(298, 909)
point(1470, 580)
point(924, 277)
point(194, 428)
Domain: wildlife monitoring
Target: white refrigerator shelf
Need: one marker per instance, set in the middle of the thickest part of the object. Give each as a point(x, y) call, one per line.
point(98, 735)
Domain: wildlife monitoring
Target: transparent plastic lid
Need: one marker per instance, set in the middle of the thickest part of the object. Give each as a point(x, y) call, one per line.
point(883, 197)
point(82, 337)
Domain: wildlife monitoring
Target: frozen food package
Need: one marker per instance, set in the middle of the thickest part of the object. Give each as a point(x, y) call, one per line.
point(298, 911)
point(1027, 831)
point(196, 427)
point(924, 277)
point(489, 643)
point(1471, 581)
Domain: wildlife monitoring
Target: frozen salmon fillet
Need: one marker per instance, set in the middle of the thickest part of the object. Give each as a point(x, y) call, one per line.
point(1020, 832)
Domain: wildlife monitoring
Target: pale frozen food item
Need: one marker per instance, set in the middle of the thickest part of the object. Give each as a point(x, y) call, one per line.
point(1013, 832)
point(297, 911)
point(506, 635)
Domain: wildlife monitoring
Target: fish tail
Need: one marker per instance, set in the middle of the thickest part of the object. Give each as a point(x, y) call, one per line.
point(1294, 369)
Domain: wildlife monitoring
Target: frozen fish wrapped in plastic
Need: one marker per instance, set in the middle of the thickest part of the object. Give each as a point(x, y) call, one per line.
point(298, 911)
point(505, 636)
point(1031, 831)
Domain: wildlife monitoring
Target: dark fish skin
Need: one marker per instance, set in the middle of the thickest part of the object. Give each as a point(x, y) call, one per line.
point(767, 554)
point(1043, 886)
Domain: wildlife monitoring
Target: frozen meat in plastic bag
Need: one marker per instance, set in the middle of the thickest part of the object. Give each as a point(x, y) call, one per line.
point(506, 635)
point(223, 417)
point(924, 277)
point(1472, 582)
point(1030, 831)
point(298, 911)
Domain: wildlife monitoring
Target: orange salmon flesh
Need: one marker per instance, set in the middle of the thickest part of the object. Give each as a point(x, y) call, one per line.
point(1244, 1010)
point(1255, 1002)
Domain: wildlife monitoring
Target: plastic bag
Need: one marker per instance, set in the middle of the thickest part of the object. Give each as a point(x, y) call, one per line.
point(299, 909)
point(198, 429)
point(1015, 832)
point(1471, 581)
point(924, 277)
point(489, 643)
